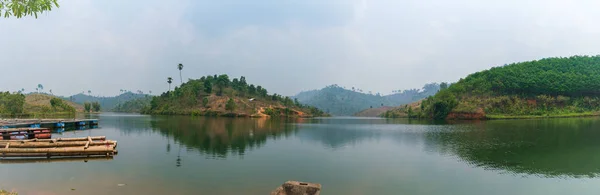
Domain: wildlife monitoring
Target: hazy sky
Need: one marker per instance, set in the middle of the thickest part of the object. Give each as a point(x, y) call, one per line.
point(285, 45)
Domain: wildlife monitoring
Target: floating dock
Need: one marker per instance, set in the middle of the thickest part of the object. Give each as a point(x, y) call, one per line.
point(61, 147)
point(25, 133)
point(46, 123)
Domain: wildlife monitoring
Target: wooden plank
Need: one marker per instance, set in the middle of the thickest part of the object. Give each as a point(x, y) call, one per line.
point(85, 154)
point(58, 150)
point(57, 144)
point(58, 139)
point(51, 160)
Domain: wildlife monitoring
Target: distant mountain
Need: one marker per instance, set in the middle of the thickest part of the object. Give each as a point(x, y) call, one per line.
point(339, 101)
point(106, 103)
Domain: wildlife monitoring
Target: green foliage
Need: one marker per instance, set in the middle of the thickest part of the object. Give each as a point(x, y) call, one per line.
point(575, 76)
point(11, 103)
point(230, 106)
point(442, 104)
point(87, 106)
point(548, 87)
point(21, 8)
point(197, 97)
point(60, 105)
point(134, 106)
point(205, 101)
point(96, 106)
point(208, 86)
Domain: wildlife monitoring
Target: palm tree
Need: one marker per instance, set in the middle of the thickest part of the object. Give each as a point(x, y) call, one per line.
point(180, 66)
point(169, 80)
point(89, 92)
point(22, 90)
point(51, 92)
point(40, 87)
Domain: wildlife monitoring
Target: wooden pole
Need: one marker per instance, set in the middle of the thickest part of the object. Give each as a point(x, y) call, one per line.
point(58, 150)
point(56, 144)
point(86, 154)
point(58, 139)
point(51, 160)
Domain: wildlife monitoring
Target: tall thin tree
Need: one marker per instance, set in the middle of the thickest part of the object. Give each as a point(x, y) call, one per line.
point(180, 67)
point(169, 80)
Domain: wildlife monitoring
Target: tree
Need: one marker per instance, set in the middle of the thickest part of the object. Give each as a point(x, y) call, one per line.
point(20, 8)
point(51, 92)
point(222, 82)
point(230, 105)
point(169, 80)
point(180, 67)
point(205, 101)
point(40, 88)
point(243, 81)
point(90, 92)
point(252, 89)
point(208, 86)
point(443, 85)
point(87, 106)
point(96, 106)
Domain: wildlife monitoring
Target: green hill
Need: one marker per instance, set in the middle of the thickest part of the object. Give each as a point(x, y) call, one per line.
point(551, 87)
point(106, 103)
point(339, 101)
point(35, 104)
point(220, 96)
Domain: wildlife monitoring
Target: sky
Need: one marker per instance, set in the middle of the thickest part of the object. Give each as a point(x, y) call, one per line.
point(287, 46)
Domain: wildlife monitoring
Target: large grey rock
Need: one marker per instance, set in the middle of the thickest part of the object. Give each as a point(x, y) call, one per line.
point(297, 188)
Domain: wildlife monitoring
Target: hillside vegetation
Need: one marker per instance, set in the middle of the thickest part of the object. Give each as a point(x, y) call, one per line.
point(133, 106)
point(551, 87)
point(106, 103)
point(35, 104)
point(374, 112)
point(339, 101)
point(220, 96)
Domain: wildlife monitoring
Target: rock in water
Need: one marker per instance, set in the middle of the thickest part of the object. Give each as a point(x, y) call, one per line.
point(297, 188)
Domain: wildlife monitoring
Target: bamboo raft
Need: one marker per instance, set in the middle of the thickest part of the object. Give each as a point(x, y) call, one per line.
point(61, 147)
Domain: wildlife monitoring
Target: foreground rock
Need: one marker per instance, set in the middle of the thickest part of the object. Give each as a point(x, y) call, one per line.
point(297, 188)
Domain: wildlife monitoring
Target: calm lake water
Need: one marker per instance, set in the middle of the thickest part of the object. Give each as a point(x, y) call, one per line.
point(197, 155)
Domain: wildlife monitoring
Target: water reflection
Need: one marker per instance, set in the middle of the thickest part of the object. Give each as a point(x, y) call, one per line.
point(220, 137)
point(548, 148)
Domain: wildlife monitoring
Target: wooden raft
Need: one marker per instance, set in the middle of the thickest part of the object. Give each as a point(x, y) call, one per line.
point(60, 147)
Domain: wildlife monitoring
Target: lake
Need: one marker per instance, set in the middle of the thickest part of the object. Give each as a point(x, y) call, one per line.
point(198, 155)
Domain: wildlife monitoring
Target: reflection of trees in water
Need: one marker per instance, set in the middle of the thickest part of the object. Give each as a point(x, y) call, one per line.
point(340, 132)
point(220, 136)
point(549, 148)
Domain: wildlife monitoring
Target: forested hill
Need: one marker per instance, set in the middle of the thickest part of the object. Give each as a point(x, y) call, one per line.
point(551, 87)
point(220, 96)
point(339, 101)
point(106, 103)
